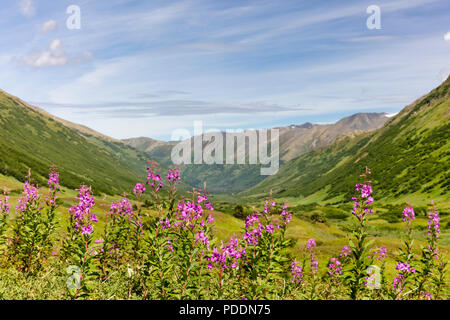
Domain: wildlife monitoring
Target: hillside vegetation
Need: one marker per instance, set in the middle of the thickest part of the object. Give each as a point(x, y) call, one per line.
point(410, 158)
point(32, 139)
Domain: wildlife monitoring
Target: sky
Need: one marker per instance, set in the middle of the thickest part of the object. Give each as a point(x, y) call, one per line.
point(146, 68)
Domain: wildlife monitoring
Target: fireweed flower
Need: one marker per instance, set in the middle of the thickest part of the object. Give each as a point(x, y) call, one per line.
point(404, 271)
point(154, 179)
point(29, 199)
point(253, 229)
point(433, 224)
point(202, 237)
point(296, 272)
point(285, 215)
point(203, 198)
point(169, 244)
point(174, 176)
point(345, 252)
point(165, 224)
point(228, 256)
point(334, 267)
point(187, 215)
point(54, 188)
point(366, 191)
point(266, 207)
point(4, 206)
point(311, 244)
point(404, 267)
point(408, 215)
point(122, 209)
point(435, 252)
point(379, 254)
point(139, 189)
point(360, 208)
point(269, 228)
point(81, 214)
point(190, 214)
point(53, 180)
point(314, 264)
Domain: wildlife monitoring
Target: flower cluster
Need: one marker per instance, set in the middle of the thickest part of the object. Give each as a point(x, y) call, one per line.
point(139, 189)
point(29, 198)
point(202, 238)
point(360, 208)
point(314, 263)
point(54, 187)
point(153, 178)
point(379, 254)
point(253, 229)
point(123, 209)
point(204, 199)
point(81, 214)
point(334, 267)
point(228, 256)
point(345, 252)
point(311, 244)
point(267, 208)
point(164, 223)
point(296, 272)
point(53, 180)
point(173, 176)
point(285, 215)
point(4, 206)
point(408, 214)
point(404, 269)
point(189, 215)
point(433, 224)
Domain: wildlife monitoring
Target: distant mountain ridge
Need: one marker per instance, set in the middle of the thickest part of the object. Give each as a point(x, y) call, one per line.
point(295, 140)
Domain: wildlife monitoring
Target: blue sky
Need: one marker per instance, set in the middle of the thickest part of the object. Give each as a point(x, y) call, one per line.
point(146, 68)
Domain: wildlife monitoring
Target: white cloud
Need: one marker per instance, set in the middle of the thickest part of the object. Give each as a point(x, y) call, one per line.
point(27, 8)
point(53, 56)
point(49, 25)
point(447, 36)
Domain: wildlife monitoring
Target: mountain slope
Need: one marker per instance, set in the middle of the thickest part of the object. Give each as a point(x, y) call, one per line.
point(32, 138)
point(409, 158)
point(295, 140)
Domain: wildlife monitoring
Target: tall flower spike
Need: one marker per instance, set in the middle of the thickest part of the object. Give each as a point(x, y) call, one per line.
point(81, 213)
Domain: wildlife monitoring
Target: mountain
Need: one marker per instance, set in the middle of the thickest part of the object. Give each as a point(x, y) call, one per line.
point(32, 138)
point(297, 140)
point(294, 141)
point(408, 156)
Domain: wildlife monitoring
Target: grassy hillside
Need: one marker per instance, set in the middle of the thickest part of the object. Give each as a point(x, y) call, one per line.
point(30, 138)
point(409, 158)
